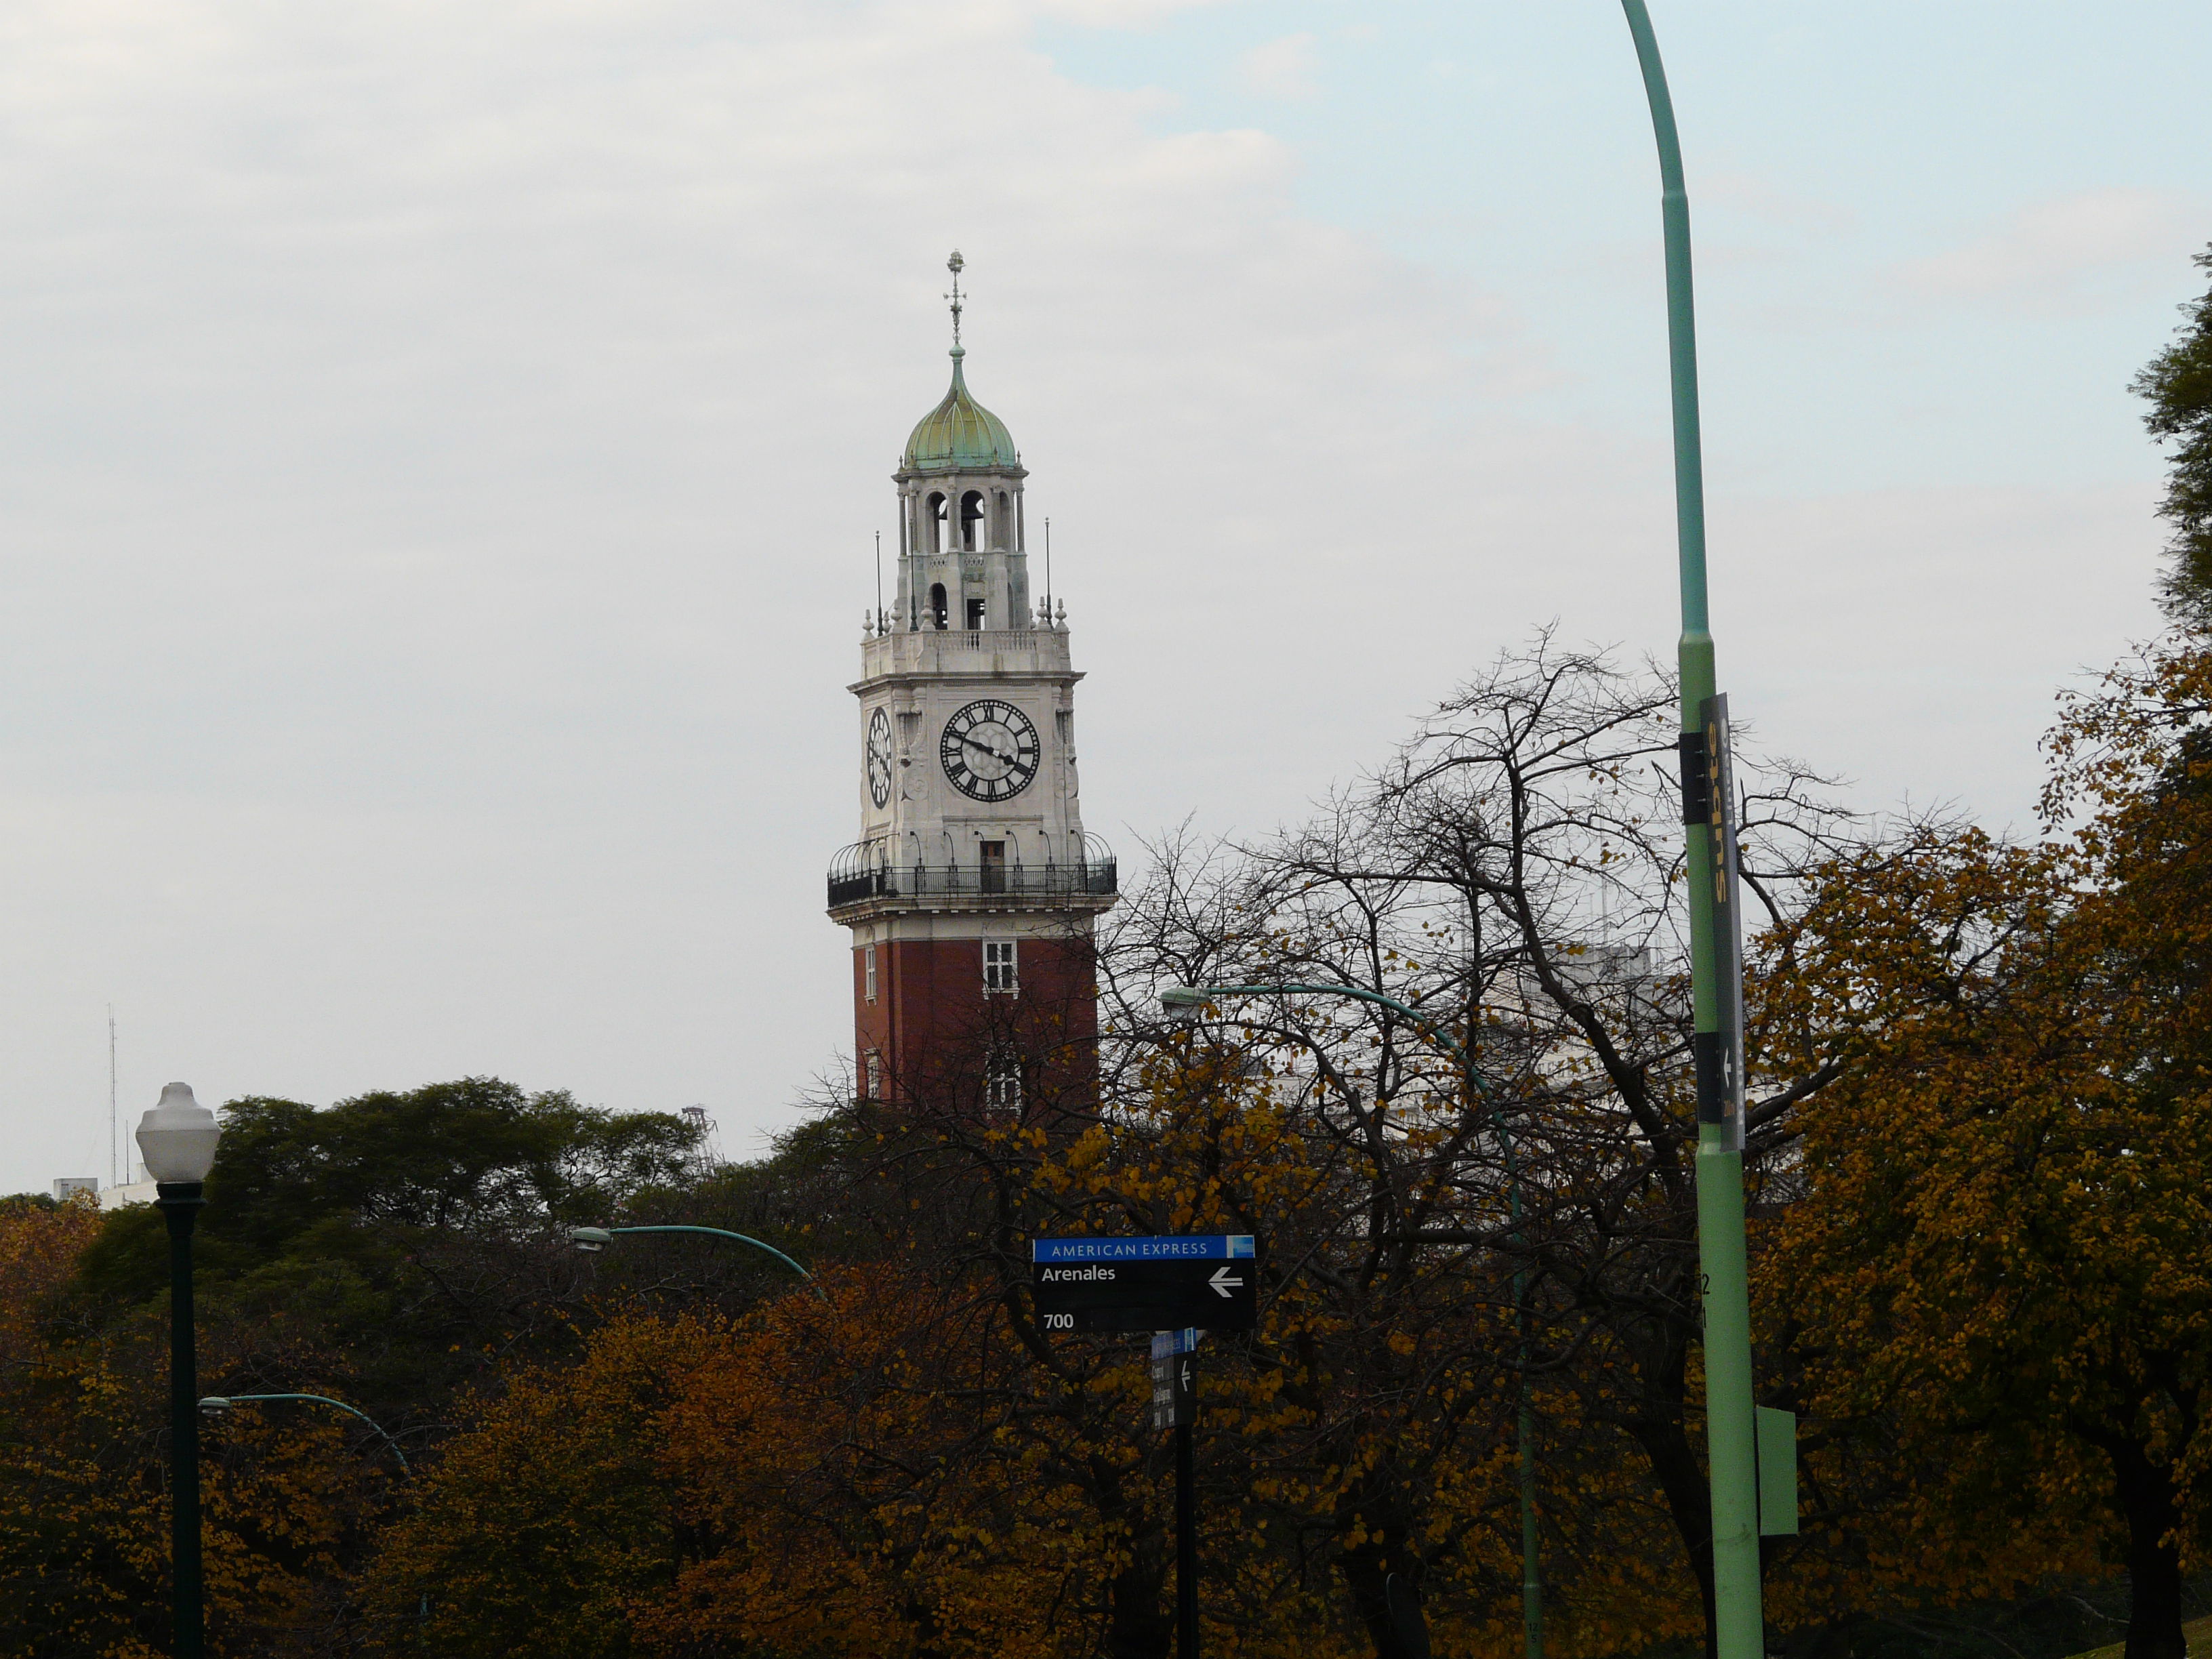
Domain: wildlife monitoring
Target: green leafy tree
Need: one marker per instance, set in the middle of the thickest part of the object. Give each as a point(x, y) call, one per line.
point(2179, 384)
point(393, 1250)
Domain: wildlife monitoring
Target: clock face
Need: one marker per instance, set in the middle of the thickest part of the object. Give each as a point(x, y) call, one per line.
point(989, 749)
point(880, 758)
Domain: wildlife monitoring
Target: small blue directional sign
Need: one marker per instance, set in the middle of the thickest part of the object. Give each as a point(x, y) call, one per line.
point(1206, 1280)
point(1174, 1387)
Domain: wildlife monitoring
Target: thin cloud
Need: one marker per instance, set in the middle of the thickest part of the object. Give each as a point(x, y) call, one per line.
point(1118, 14)
point(1284, 68)
point(2067, 254)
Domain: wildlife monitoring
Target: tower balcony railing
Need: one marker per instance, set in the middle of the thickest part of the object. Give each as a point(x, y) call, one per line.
point(929, 649)
point(859, 875)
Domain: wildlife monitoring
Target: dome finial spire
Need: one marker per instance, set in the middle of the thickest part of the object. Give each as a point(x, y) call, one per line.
point(956, 264)
point(959, 433)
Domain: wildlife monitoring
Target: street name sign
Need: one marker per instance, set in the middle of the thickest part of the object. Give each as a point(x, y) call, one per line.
point(1208, 1280)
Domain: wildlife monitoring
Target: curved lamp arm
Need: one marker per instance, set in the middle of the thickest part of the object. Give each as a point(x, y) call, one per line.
point(215, 1405)
point(597, 1238)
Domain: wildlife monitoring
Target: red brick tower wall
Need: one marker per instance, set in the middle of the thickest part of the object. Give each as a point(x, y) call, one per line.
point(932, 1014)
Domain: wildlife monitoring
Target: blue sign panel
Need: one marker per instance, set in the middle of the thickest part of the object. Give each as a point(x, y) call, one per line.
point(1171, 1247)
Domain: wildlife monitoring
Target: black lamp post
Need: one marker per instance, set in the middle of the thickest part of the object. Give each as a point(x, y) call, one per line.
point(177, 1139)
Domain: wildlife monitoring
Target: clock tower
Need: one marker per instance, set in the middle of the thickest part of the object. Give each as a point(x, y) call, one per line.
point(971, 892)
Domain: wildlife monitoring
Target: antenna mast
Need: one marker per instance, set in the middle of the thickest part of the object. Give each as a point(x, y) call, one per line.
point(114, 1123)
point(880, 581)
point(1048, 564)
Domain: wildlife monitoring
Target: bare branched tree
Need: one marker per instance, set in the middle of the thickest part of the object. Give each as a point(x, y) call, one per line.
point(1517, 1140)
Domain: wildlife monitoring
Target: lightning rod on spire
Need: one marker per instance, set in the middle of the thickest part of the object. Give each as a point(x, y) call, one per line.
point(956, 264)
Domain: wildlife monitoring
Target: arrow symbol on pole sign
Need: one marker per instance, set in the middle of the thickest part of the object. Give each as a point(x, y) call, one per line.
point(1223, 1283)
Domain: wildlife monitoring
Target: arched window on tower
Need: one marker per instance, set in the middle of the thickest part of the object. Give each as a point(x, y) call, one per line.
point(973, 532)
point(934, 515)
point(936, 604)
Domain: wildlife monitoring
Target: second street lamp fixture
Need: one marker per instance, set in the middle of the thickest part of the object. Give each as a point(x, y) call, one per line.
point(177, 1139)
point(1186, 1004)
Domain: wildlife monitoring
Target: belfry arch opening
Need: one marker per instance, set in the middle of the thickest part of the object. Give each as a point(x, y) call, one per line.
point(937, 617)
point(975, 525)
point(933, 523)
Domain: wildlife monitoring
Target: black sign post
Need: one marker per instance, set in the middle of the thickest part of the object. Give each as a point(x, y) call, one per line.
point(1175, 1286)
point(1175, 1406)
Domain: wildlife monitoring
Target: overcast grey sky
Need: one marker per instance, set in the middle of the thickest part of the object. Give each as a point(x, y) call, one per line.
point(440, 447)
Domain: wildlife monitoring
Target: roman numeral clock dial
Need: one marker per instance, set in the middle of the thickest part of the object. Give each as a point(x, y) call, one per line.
point(880, 758)
point(990, 751)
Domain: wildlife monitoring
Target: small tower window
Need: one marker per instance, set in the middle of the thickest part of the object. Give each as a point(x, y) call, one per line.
point(936, 523)
point(869, 957)
point(975, 615)
point(1002, 1082)
point(973, 532)
point(874, 1085)
point(995, 866)
point(936, 604)
point(998, 968)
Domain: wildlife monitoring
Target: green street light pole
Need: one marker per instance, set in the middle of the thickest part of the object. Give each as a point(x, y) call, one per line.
point(1187, 1001)
point(1715, 973)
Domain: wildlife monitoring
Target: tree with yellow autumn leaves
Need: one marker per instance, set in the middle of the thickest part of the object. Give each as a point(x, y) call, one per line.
point(2003, 1238)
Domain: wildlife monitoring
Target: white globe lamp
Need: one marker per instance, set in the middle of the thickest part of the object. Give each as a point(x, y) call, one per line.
point(177, 1137)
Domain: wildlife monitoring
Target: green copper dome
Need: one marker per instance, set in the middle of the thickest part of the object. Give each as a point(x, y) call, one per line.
point(960, 434)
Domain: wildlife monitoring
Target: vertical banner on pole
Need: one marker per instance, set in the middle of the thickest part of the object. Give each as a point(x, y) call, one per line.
point(1727, 924)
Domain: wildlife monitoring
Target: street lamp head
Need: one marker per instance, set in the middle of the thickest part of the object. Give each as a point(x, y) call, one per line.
point(1184, 1003)
point(177, 1137)
point(214, 1405)
point(590, 1238)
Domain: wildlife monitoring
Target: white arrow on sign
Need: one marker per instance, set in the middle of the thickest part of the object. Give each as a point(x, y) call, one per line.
point(1223, 1283)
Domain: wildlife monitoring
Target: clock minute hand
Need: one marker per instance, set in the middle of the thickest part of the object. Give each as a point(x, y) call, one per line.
point(974, 743)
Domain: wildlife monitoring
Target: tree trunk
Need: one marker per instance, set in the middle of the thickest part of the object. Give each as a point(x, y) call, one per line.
point(1396, 1626)
point(2146, 1495)
point(1138, 1624)
point(1689, 1500)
